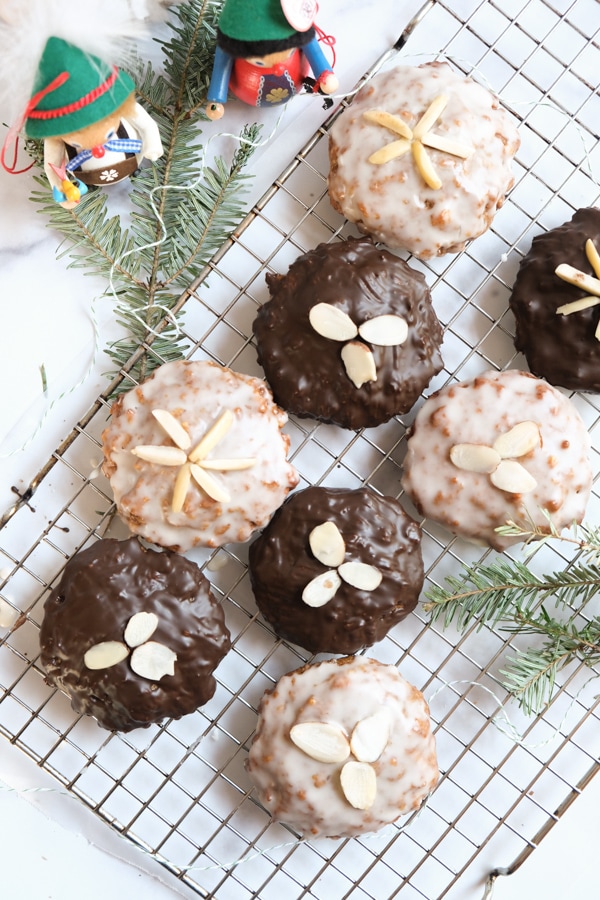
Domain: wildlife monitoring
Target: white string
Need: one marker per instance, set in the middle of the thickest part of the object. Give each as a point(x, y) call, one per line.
point(224, 866)
point(509, 729)
point(527, 104)
point(168, 314)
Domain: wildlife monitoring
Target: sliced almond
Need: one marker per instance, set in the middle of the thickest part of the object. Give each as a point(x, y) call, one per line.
point(360, 575)
point(593, 256)
point(474, 457)
point(153, 660)
point(212, 437)
point(512, 477)
point(371, 735)
point(577, 305)
point(140, 627)
point(359, 363)
point(446, 145)
point(579, 279)
point(161, 456)
point(321, 589)
point(359, 784)
point(385, 331)
point(173, 428)
point(389, 121)
point(327, 544)
point(321, 741)
point(518, 441)
point(425, 166)
point(105, 655)
point(331, 322)
point(430, 116)
point(393, 150)
point(209, 485)
point(180, 489)
point(229, 465)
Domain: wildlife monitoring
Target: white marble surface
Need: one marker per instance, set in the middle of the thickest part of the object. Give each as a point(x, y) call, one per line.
point(50, 846)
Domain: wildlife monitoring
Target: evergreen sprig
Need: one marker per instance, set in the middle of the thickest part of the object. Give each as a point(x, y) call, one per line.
point(182, 208)
point(508, 595)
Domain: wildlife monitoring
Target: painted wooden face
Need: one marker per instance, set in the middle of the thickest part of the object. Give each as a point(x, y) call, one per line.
point(99, 132)
point(271, 59)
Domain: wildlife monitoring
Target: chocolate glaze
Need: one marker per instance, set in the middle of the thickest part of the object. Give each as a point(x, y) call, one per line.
point(561, 349)
point(305, 370)
point(376, 530)
point(101, 588)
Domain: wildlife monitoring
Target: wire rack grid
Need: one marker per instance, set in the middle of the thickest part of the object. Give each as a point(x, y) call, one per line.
point(179, 791)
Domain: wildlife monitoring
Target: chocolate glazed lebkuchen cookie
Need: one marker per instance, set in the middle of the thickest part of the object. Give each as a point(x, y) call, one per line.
point(349, 335)
point(336, 569)
point(132, 636)
point(556, 305)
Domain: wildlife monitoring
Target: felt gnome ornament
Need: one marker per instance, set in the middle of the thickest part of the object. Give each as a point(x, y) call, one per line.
point(84, 109)
point(265, 50)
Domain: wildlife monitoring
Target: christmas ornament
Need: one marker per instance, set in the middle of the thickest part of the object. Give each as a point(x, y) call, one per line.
point(265, 50)
point(81, 105)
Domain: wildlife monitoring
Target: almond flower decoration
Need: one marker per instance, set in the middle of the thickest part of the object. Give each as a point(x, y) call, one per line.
point(328, 743)
point(585, 282)
point(149, 659)
point(500, 460)
point(334, 324)
point(192, 461)
point(416, 139)
point(328, 546)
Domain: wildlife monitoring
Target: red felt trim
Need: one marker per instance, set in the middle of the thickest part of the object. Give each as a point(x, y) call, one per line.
point(86, 100)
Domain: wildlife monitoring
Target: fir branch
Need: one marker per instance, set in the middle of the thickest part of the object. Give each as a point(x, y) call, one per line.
point(488, 593)
point(91, 239)
point(189, 55)
point(154, 93)
point(509, 595)
point(531, 675)
point(211, 212)
point(584, 537)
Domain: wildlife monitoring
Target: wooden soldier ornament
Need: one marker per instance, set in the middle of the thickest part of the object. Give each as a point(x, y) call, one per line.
point(265, 51)
point(84, 108)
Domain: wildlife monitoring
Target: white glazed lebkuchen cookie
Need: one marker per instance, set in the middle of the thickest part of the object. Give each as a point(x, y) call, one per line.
point(196, 457)
point(342, 748)
point(421, 159)
point(505, 446)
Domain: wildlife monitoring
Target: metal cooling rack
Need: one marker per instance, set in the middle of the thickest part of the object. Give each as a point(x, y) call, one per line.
point(180, 791)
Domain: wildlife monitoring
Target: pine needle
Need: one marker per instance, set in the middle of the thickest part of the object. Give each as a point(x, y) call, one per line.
point(508, 595)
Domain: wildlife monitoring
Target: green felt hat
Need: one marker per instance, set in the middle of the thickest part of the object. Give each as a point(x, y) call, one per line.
point(72, 90)
point(257, 27)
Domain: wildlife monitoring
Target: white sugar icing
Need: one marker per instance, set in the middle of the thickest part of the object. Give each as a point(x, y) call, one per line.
point(196, 394)
point(305, 793)
point(478, 412)
point(391, 201)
